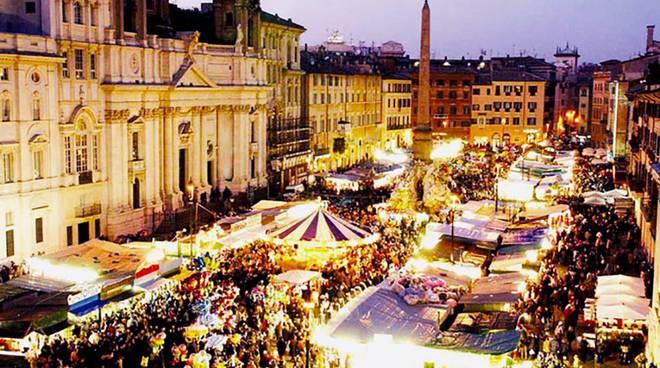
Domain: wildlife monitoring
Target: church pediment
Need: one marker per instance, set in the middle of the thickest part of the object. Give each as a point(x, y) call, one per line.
point(190, 76)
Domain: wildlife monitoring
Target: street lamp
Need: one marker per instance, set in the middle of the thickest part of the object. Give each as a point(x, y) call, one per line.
point(453, 208)
point(190, 187)
point(498, 167)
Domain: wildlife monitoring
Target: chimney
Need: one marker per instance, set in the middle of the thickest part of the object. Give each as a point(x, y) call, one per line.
point(649, 36)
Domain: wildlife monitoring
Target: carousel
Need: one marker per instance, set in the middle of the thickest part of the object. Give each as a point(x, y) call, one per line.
point(318, 237)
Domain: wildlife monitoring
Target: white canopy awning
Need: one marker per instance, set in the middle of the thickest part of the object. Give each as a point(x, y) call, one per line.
point(595, 201)
point(635, 282)
point(623, 312)
point(297, 277)
point(614, 300)
point(620, 289)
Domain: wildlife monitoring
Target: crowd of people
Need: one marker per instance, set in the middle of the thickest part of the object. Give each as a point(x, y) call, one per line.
point(592, 241)
point(12, 270)
point(369, 264)
point(248, 321)
point(593, 176)
point(261, 325)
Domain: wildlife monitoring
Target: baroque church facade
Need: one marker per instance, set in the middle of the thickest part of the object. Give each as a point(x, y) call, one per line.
point(110, 114)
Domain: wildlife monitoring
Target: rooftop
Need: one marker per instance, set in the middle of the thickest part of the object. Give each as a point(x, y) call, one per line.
point(276, 19)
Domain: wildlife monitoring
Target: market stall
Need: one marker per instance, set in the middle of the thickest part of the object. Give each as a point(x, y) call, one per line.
point(318, 237)
point(341, 182)
point(98, 271)
point(621, 309)
point(494, 293)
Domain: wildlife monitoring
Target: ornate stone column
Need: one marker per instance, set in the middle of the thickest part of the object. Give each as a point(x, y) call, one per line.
point(226, 143)
point(168, 148)
point(196, 151)
point(241, 147)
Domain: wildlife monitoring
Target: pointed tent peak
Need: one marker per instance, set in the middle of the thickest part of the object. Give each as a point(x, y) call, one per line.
point(322, 228)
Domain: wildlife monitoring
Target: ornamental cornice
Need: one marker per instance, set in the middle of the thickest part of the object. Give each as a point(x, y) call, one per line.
point(208, 109)
point(113, 116)
point(150, 113)
point(242, 108)
point(170, 110)
point(197, 109)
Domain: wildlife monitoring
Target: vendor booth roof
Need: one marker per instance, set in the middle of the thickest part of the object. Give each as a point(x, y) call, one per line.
point(468, 231)
point(538, 213)
point(613, 300)
point(40, 283)
point(623, 312)
point(9, 292)
point(321, 226)
point(480, 322)
point(495, 343)
point(620, 285)
point(635, 282)
point(297, 277)
point(104, 256)
point(267, 205)
point(496, 289)
point(343, 177)
point(385, 312)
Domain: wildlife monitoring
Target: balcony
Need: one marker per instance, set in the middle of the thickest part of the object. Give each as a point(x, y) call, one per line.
point(649, 211)
point(277, 139)
point(86, 177)
point(87, 211)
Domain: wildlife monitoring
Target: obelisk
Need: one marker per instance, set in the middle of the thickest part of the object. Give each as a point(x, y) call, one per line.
point(422, 135)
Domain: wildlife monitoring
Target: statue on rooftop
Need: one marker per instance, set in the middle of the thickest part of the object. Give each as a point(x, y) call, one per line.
point(192, 45)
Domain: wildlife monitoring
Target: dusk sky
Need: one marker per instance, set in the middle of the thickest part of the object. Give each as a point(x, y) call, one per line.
point(601, 29)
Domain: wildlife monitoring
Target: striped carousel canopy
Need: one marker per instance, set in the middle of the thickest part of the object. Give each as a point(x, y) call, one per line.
point(321, 227)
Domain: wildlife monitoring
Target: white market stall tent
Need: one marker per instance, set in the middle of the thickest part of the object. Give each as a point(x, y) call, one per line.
point(615, 300)
point(621, 280)
point(621, 305)
point(618, 290)
point(623, 312)
point(344, 182)
point(297, 277)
